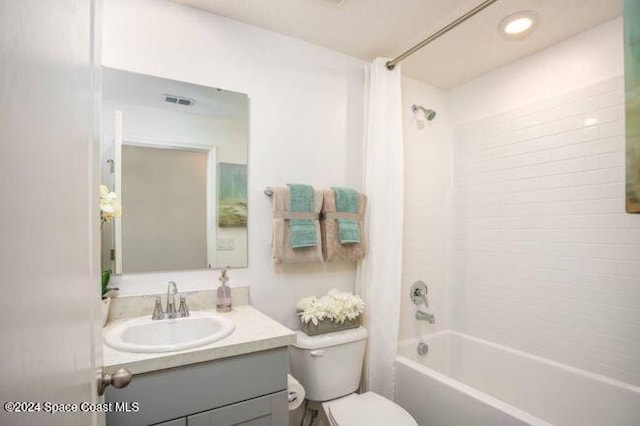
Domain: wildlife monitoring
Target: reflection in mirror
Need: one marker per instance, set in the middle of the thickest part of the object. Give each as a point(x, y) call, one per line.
point(176, 155)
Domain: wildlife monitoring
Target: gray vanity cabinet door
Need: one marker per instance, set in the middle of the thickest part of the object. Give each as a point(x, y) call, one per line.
point(269, 410)
point(176, 422)
point(198, 388)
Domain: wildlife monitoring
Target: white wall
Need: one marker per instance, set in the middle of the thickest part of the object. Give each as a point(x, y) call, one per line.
point(546, 258)
point(577, 62)
point(427, 209)
point(306, 120)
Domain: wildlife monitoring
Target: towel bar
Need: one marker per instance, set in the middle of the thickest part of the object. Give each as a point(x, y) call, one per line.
point(268, 191)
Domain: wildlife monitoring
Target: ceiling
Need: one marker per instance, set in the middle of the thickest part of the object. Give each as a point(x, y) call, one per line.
point(385, 28)
point(139, 89)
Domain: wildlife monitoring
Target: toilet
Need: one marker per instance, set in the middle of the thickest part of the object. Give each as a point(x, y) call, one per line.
point(329, 366)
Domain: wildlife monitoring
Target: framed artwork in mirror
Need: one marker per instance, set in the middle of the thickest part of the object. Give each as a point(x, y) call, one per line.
point(232, 195)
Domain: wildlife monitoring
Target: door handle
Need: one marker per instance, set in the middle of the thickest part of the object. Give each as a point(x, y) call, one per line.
point(118, 379)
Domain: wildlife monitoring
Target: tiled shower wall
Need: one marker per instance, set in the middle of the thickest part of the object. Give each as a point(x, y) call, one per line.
point(547, 260)
point(427, 199)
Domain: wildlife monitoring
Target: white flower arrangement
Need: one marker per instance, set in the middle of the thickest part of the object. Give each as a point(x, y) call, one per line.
point(109, 205)
point(335, 306)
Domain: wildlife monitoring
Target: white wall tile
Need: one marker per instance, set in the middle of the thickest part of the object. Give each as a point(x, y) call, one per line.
point(546, 258)
point(428, 166)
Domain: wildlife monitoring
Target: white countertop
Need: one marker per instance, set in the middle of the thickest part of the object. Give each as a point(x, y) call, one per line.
point(254, 332)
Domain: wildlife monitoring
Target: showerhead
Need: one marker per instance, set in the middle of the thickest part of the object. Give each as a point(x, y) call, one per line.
point(429, 114)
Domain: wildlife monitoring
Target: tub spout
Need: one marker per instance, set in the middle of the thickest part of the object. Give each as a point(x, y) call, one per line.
point(425, 316)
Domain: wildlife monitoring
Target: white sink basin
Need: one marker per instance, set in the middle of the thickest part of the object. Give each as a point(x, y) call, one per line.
point(147, 335)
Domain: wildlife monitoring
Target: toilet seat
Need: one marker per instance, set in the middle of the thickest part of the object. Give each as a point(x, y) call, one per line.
point(367, 409)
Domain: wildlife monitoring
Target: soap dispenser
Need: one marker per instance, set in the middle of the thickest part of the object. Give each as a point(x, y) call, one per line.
point(224, 293)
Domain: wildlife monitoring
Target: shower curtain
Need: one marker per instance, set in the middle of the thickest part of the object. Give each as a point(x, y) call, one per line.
point(380, 273)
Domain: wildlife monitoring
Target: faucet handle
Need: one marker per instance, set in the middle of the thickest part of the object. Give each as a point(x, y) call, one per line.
point(419, 293)
point(158, 313)
point(183, 310)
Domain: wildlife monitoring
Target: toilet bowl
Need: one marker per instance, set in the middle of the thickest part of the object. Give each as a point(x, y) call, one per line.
point(368, 409)
point(329, 368)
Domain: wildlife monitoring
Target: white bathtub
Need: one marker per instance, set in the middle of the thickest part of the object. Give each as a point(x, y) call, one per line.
point(468, 381)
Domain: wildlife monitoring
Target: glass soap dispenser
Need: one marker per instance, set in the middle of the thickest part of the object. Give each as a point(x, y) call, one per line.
point(224, 293)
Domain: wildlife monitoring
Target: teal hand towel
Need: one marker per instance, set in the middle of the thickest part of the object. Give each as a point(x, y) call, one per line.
point(303, 231)
point(347, 201)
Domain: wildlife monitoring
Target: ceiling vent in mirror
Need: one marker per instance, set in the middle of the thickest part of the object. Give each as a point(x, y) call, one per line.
point(178, 100)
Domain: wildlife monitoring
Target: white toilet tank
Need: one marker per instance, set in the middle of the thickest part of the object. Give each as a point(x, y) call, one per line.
point(328, 365)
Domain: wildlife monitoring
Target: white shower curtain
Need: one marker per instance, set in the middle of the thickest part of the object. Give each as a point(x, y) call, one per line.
point(380, 273)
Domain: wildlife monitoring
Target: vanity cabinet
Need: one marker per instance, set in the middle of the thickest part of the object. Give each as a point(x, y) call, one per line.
point(248, 390)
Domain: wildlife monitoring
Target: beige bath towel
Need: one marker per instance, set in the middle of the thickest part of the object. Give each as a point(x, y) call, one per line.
point(282, 250)
point(332, 250)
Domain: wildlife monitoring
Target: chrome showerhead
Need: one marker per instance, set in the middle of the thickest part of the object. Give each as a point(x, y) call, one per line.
point(429, 114)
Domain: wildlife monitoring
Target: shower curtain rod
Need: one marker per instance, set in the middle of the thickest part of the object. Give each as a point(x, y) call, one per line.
point(392, 64)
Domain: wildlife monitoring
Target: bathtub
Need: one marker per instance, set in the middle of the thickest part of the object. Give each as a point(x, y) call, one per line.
point(464, 381)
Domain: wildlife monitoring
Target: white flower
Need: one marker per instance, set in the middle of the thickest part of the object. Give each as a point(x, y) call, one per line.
point(314, 314)
point(336, 306)
point(306, 303)
point(109, 205)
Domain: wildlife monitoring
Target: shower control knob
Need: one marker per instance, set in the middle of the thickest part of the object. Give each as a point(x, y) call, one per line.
point(419, 293)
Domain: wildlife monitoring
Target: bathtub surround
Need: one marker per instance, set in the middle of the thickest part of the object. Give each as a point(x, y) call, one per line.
point(428, 210)
point(547, 259)
point(380, 273)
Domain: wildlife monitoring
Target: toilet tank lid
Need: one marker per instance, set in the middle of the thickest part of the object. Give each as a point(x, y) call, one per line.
point(304, 341)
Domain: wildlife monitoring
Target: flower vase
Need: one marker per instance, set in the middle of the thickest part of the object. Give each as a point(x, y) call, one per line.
point(324, 326)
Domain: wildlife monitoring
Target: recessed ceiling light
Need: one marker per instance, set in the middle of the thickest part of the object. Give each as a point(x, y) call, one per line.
point(519, 25)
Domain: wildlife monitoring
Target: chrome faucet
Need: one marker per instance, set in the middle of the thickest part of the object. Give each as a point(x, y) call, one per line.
point(425, 316)
point(172, 289)
point(183, 310)
point(418, 297)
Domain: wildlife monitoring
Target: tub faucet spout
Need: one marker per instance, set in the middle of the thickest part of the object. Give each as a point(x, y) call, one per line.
point(425, 316)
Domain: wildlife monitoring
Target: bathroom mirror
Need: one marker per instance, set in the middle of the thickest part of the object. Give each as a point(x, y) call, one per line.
point(176, 155)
